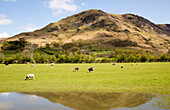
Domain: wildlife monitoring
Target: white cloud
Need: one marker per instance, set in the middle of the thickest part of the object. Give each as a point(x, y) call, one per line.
point(57, 12)
point(60, 6)
point(4, 35)
point(10, 0)
point(83, 4)
point(4, 20)
point(30, 27)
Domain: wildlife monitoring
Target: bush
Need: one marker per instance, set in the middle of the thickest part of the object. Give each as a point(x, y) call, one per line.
point(152, 59)
point(52, 59)
point(25, 59)
point(121, 58)
point(105, 60)
point(56, 44)
point(14, 45)
point(40, 58)
point(61, 59)
point(143, 58)
point(131, 58)
point(121, 43)
point(163, 57)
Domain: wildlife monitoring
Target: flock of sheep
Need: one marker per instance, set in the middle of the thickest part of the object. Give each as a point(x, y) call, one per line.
point(75, 70)
point(52, 64)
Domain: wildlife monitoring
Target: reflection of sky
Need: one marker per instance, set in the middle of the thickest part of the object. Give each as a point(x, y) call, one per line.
point(146, 106)
point(18, 101)
point(4, 94)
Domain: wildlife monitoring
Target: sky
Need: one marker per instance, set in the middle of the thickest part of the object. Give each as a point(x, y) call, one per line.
point(17, 16)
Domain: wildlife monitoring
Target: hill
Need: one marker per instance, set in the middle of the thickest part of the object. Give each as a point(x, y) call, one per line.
point(109, 29)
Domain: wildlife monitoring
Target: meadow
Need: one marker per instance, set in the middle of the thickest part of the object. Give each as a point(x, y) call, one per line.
point(134, 77)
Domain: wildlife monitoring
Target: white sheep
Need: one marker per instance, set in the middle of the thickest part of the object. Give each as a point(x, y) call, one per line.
point(29, 76)
point(52, 64)
point(114, 63)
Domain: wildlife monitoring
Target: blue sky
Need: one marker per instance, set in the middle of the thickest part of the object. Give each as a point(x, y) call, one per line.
point(18, 16)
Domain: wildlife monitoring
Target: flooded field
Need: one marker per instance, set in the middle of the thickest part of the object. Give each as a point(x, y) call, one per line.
point(82, 101)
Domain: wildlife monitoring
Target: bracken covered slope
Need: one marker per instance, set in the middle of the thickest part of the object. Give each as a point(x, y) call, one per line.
point(98, 25)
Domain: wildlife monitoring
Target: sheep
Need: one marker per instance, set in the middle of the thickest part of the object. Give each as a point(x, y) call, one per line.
point(29, 76)
point(114, 63)
point(32, 65)
point(91, 69)
point(76, 69)
point(52, 64)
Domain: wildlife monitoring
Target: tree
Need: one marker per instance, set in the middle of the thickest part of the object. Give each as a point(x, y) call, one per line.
point(14, 45)
point(131, 58)
point(122, 58)
point(163, 57)
point(52, 59)
point(40, 58)
point(25, 59)
point(77, 58)
point(137, 57)
point(143, 58)
point(4, 44)
point(105, 60)
point(61, 59)
point(31, 47)
point(152, 59)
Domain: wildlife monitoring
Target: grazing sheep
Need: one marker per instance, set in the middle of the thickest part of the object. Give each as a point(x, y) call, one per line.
point(91, 69)
point(121, 66)
point(76, 69)
point(29, 76)
point(32, 65)
point(28, 62)
point(114, 63)
point(52, 64)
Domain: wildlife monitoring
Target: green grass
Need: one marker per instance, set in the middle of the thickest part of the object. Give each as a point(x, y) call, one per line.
point(10, 53)
point(143, 77)
point(101, 52)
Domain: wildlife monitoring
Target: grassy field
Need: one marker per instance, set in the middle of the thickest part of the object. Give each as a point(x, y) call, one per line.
point(139, 77)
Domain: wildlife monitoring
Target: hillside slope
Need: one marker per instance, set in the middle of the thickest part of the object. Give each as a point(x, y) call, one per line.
point(98, 25)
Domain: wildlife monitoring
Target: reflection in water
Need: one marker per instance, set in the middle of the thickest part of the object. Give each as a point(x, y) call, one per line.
point(162, 101)
point(6, 105)
point(95, 101)
point(19, 101)
point(81, 101)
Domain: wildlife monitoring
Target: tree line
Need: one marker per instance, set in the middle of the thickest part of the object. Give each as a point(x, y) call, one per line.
point(80, 57)
point(74, 52)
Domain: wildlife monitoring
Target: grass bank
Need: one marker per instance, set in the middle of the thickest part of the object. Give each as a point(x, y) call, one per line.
point(134, 77)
